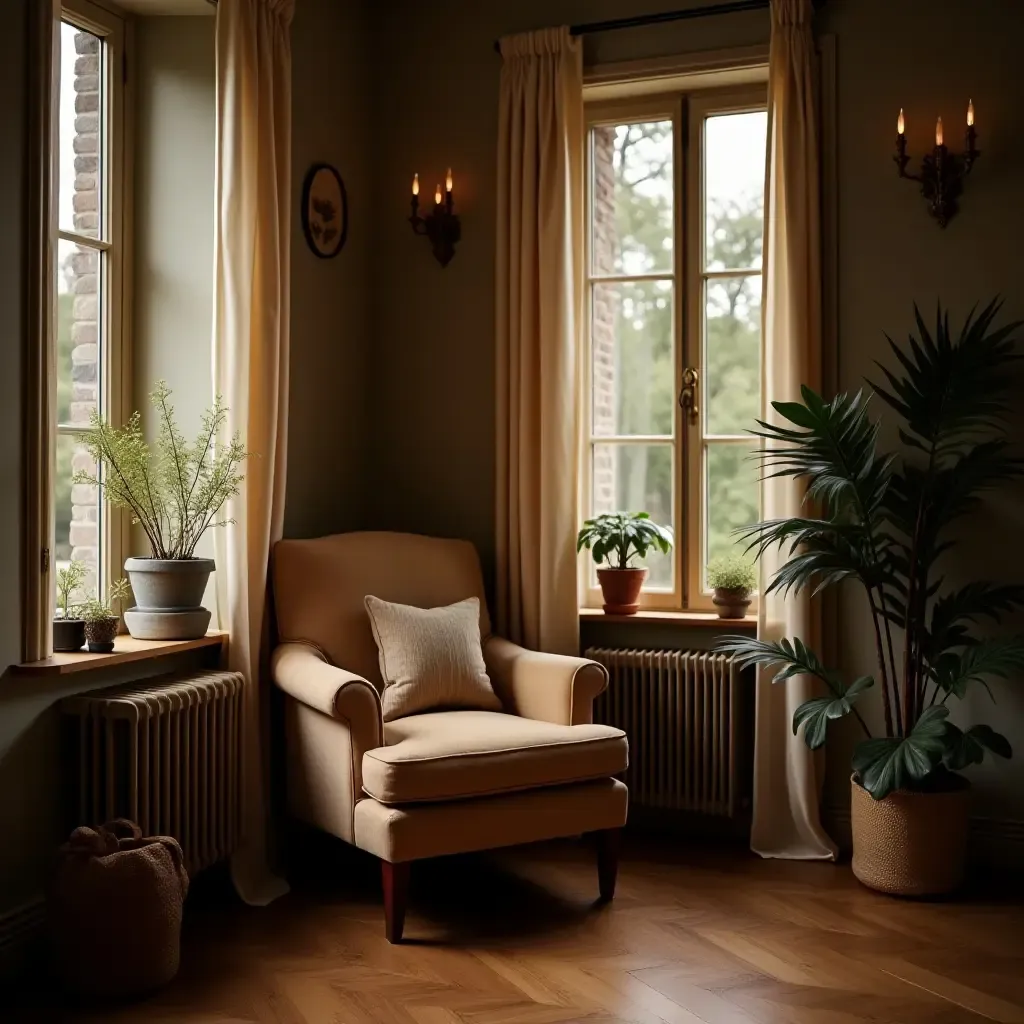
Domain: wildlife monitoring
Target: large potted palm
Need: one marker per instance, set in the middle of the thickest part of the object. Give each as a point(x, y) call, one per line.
point(883, 521)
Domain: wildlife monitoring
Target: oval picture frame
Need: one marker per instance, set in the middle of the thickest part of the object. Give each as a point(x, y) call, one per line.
point(324, 211)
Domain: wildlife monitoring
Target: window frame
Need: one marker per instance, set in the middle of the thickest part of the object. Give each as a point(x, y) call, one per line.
point(688, 111)
point(112, 240)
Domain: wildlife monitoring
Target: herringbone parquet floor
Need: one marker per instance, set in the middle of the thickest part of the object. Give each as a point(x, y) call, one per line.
point(694, 935)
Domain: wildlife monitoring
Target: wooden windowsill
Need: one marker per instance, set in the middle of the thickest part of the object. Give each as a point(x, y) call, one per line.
point(126, 650)
point(699, 620)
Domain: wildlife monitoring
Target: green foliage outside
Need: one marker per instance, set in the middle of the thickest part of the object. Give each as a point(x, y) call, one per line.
point(645, 375)
point(888, 522)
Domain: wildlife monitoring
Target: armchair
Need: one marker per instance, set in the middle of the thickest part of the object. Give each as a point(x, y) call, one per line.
point(448, 781)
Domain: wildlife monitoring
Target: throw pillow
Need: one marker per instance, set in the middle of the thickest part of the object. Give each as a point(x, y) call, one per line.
point(430, 658)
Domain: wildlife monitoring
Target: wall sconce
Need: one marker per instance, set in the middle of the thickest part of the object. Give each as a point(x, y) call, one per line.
point(441, 226)
point(942, 173)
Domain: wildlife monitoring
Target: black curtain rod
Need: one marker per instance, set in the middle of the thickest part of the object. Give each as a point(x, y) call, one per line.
point(638, 21)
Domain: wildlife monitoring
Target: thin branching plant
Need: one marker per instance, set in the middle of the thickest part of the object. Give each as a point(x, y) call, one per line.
point(174, 490)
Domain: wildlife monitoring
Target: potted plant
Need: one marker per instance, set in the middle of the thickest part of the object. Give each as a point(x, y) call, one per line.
point(617, 538)
point(175, 491)
point(732, 579)
point(69, 627)
point(884, 521)
point(101, 621)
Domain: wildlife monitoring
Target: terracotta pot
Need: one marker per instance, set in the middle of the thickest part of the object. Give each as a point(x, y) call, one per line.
point(100, 633)
point(911, 844)
point(731, 602)
point(621, 589)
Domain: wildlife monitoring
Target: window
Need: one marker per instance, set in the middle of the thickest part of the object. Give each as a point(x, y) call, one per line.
point(89, 277)
point(676, 199)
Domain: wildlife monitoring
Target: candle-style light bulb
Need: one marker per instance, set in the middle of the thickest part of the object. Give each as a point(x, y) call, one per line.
point(415, 184)
point(448, 181)
point(437, 195)
point(900, 124)
point(970, 113)
point(938, 132)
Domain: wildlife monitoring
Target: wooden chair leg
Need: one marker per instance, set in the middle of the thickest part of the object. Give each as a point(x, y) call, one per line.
point(609, 842)
point(396, 893)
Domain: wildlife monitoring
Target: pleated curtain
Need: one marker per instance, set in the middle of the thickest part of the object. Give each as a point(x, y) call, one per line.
point(787, 775)
point(250, 364)
point(539, 317)
point(39, 369)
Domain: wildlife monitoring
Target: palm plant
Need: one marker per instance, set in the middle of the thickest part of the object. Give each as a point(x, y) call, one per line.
point(885, 521)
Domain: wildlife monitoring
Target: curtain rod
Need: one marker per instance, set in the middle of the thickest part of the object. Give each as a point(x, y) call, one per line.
point(640, 20)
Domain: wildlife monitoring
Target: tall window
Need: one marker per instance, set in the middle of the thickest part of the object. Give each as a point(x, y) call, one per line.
point(89, 276)
point(676, 199)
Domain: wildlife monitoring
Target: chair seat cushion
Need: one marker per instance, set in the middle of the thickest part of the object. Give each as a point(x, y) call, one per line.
point(454, 755)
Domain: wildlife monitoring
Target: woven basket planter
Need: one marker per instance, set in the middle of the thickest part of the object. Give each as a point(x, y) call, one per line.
point(910, 844)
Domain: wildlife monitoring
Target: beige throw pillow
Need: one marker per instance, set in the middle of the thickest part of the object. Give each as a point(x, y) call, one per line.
point(430, 658)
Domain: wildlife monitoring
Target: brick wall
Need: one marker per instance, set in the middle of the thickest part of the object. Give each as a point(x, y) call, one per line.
point(83, 276)
point(604, 315)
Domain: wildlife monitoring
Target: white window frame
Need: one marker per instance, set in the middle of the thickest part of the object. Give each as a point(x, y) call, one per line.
point(688, 111)
point(114, 368)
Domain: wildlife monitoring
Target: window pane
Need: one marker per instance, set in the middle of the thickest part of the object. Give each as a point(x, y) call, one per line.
point(79, 200)
point(733, 356)
point(637, 478)
point(734, 170)
point(732, 496)
point(634, 364)
point(78, 332)
point(632, 197)
point(78, 511)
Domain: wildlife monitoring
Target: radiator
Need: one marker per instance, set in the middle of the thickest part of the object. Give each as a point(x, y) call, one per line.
point(166, 754)
point(682, 713)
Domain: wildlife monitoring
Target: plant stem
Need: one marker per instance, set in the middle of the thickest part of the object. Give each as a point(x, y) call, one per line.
point(881, 663)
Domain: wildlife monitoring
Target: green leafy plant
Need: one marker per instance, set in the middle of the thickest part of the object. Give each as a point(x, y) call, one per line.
point(95, 610)
point(885, 521)
point(732, 572)
point(174, 490)
point(69, 579)
point(619, 537)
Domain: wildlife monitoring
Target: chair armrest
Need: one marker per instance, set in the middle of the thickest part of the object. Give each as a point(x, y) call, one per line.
point(546, 687)
point(305, 674)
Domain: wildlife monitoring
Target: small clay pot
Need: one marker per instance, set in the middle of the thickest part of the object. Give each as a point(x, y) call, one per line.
point(68, 635)
point(100, 633)
point(731, 602)
point(621, 589)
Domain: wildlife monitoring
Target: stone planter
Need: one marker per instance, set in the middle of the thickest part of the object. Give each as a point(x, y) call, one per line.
point(911, 844)
point(68, 635)
point(168, 598)
point(100, 633)
point(731, 602)
point(621, 589)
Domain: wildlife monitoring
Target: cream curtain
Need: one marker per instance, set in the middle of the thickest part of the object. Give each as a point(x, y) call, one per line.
point(38, 392)
point(539, 315)
point(250, 362)
point(787, 783)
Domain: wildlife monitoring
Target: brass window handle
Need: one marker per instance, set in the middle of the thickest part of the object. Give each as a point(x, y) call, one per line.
point(688, 394)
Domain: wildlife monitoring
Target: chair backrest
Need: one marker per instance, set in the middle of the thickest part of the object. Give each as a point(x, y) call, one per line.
point(319, 586)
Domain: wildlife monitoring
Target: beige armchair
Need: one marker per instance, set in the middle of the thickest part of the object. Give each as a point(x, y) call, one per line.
point(439, 783)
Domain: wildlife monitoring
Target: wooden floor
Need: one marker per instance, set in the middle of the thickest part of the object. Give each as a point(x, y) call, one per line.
point(695, 934)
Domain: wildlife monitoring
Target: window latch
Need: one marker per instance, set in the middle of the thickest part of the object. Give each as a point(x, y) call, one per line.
point(688, 394)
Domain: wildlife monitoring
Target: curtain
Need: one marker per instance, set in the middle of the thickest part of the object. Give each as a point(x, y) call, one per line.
point(539, 317)
point(39, 383)
point(250, 364)
point(787, 775)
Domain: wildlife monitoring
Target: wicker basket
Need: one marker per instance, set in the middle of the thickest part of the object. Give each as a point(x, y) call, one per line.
point(115, 911)
point(910, 844)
